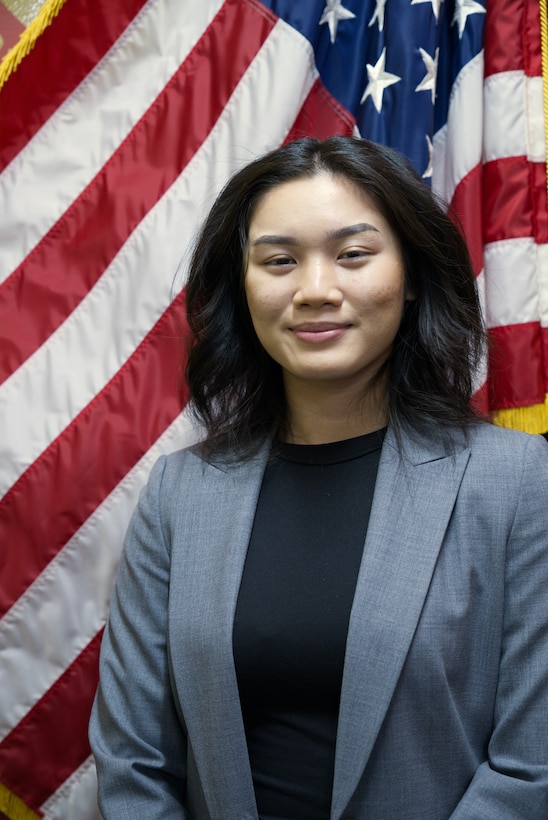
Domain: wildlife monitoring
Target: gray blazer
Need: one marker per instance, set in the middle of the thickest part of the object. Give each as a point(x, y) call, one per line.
point(444, 703)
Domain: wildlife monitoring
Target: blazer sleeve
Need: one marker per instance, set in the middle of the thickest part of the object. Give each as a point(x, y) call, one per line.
point(513, 782)
point(135, 732)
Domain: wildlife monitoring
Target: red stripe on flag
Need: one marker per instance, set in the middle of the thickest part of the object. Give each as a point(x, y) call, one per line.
point(502, 37)
point(537, 179)
point(516, 367)
point(66, 263)
point(321, 116)
point(43, 751)
point(544, 335)
point(466, 204)
point(512, 37)
point(532, 50)
point(507, 204)
point(84, 31)
point(61, 489)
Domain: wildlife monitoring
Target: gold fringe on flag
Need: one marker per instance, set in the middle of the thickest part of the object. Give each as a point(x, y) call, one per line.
point(28, 38)
point(544, 63)
point(532, 419)
point(13, 807)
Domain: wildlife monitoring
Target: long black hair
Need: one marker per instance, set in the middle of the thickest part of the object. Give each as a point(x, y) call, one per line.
point(237, 389)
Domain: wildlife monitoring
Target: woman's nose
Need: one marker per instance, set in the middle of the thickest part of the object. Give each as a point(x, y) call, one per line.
point(317, 284)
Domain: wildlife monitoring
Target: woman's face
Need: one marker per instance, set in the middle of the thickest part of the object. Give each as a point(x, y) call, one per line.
point(325, 282)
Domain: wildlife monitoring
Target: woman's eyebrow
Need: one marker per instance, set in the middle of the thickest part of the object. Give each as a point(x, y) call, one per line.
point(340, 233)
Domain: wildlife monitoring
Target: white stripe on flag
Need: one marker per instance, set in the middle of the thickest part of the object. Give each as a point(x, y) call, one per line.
point(542, 272)
point(504, 116)
point(536, 133)
point(76, 799)
point(511, 282)
point(513, 117)
point(464, 119)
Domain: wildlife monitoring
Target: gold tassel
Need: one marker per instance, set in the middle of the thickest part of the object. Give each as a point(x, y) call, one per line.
point(532, 419)
point(13, 807)
point(28, 38)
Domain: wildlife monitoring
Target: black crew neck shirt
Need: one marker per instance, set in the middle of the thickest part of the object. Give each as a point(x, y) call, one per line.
point(292, 617)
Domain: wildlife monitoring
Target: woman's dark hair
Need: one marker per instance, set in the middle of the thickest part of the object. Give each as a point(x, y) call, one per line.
point(237, 389)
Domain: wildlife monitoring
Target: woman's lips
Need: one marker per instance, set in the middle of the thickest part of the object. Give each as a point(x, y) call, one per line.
point(319, 331)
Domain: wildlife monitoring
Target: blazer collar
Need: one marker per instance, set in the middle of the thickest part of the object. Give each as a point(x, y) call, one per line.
point(414, 497)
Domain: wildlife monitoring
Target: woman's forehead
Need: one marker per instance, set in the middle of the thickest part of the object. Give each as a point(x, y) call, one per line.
point(329, 197)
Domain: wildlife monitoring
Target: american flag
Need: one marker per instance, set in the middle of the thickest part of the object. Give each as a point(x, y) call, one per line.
point(118, 130)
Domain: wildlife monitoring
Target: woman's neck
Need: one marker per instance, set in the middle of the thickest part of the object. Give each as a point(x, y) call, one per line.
point(320, 416)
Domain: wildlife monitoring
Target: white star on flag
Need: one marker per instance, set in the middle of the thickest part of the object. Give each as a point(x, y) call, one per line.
point(378, 15)
point(379, 79)
point(428, 82)
point(332, 14)
point(435, 5)
point(462, 9)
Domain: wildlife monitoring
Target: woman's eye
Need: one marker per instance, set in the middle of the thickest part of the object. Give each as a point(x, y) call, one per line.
point(354, 254)
point(279, 261)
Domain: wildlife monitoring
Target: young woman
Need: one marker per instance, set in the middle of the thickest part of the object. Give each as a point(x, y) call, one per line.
point(335, 605)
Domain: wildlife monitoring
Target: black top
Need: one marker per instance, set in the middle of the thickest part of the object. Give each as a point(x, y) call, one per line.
point(292, 616)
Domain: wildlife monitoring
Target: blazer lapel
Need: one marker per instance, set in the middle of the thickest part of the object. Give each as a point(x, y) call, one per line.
point(217, 522)
point(413, 501)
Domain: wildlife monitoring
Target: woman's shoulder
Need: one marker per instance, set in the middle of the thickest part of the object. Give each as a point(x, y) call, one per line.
point(490, 449)
point(489, 438)
point(193, 467)
point(507, 460)
point(179, 467)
